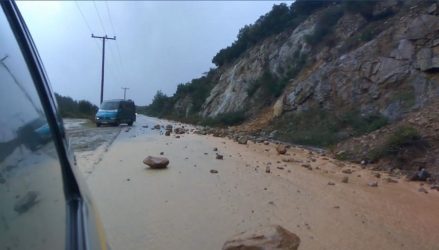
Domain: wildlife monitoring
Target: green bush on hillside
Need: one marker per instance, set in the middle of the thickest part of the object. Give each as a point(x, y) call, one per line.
point(317, 127)
point(324, 24)
point(402, 138)
point(225, 119)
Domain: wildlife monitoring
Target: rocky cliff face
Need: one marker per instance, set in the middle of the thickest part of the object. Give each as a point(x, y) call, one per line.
point(384, 66)
point(274, 55)
point(393, 73)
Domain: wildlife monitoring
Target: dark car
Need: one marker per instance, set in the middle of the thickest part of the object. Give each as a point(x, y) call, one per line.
point(44, 201)
point(116, 112)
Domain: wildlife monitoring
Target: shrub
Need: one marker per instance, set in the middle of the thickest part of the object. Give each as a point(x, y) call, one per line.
point(402, 138)
point(279, 19)
point(324, 25)
point(406, 97)
point(313, 127)
point(363, 124)
point(225, 119)
point(318, 127)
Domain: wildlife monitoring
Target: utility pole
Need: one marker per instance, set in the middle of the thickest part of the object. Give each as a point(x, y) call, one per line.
point(124, 92)
point(103, 60)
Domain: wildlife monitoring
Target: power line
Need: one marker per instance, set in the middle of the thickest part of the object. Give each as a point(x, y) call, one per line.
point(83, 17)
point(85, 20)
point(99, 17)
point(109, 16)
point(117, 44)
point(103, 27)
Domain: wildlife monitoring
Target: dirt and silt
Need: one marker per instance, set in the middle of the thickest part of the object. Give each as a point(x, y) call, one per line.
point(188, 206)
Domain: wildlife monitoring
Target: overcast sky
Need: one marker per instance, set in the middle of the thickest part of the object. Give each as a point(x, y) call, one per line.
point(158, 44)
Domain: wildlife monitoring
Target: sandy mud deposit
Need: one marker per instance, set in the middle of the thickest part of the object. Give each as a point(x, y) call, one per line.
point(327, 203)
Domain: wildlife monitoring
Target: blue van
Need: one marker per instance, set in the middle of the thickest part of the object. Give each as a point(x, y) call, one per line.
point(115, 112)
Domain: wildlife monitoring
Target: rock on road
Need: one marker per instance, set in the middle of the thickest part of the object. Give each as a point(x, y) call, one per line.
point(189, 206)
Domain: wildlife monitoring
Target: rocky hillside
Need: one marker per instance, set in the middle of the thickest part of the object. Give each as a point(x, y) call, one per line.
point(342, 70)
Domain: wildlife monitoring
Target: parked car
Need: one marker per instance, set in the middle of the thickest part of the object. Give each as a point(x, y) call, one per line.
point(116, 112)
point(44, 201)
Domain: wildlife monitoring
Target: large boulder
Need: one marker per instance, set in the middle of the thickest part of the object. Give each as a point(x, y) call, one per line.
point(156, 162)
point(264, 238)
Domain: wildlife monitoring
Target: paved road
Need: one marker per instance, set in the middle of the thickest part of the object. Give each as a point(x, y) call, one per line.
point(187, 207)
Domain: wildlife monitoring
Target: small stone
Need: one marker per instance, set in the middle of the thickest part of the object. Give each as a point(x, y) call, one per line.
point(347, 171)
point(177, 136)
point(167, 133)
point(345, 179)
point(372, 184)
point(281, 149)
point(215, 149)
point(242, 140)
point(213, 171)
point(267, 170)
point(179, 131)
point(422, 190)
point(307, 166)
point(331, 183)
point(390, 180)
point(219, 157)
point(377, 175)
point(161, 153)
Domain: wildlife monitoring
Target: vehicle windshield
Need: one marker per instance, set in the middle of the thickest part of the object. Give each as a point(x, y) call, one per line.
point(109, 105)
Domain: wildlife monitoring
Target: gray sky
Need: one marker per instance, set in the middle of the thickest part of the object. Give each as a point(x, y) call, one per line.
point(159, 44)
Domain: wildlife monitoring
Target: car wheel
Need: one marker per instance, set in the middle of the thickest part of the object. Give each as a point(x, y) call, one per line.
point(98, 124)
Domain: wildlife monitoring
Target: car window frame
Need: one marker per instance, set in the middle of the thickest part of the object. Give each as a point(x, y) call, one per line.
point(76, 237)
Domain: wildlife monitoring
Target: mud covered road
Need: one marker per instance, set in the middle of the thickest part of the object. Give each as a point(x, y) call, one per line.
point(188, 207)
